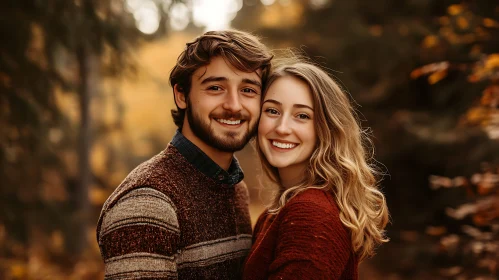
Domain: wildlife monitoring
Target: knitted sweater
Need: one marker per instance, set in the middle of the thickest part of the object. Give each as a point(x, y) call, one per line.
point(168, 220)
point(305, 240)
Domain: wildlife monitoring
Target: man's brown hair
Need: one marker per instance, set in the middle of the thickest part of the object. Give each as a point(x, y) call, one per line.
point(242, 50)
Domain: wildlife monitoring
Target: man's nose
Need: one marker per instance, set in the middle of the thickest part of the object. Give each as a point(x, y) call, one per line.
point(232, 102)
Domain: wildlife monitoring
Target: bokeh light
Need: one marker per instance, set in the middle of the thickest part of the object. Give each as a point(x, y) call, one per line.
point(166, 5)
point(146, 15)
point(318, 4)
point(215, 15)
point(267, 2)
point(179, 16)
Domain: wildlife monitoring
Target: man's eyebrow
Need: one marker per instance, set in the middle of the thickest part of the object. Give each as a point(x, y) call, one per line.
point(213, 79)
point(224, 79)
point(294, 105)
point(253, 82)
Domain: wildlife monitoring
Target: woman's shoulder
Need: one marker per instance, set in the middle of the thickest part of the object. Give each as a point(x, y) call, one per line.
point(315, 199)
point(315, 210)
point(315, 202)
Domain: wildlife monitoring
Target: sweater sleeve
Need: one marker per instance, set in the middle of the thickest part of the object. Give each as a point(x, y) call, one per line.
point(258, 225)
point(139, 237)
point(312, 243)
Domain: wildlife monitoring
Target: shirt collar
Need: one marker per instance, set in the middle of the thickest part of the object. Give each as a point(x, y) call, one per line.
point(205, 164)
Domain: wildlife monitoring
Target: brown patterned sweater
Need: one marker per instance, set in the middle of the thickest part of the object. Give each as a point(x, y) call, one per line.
point(168, 220)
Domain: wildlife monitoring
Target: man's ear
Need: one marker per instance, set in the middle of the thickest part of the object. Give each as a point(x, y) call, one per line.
point(180, 99)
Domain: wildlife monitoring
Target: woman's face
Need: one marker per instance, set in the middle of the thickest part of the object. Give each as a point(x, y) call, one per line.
point(286, 133)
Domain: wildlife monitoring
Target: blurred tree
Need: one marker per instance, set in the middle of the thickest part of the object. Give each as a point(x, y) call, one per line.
point(51, 48)
point(372, 47)
point(467, 45)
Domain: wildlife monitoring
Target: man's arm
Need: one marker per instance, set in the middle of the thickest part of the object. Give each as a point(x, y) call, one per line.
point(139, 237)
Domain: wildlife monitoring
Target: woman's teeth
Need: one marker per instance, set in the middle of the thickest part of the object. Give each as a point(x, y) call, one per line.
point(283, 145)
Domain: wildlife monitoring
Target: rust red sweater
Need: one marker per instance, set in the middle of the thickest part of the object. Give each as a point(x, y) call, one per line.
point(305, 240)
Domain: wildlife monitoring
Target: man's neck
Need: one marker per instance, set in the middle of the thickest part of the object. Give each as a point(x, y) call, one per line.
point(223, 159)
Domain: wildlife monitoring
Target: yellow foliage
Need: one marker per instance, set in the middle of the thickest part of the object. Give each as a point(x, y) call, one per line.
point(279, 16)
point(5, 80)
point(455, 9)
point(376, 30)
point(444, 20)
point(492, 61)
point(98, 159)
point(476, 50)
point(437, 76)
point(97, 196)
point(490, 96)
point(436, 231)
point(53, 186)
point(430, 68)
point(18, 271)
point(430, 41)
point(403, 30)
point(462, 23)
point(476, 115)
point(488, 69)
point(488, 22)
point(57, 241)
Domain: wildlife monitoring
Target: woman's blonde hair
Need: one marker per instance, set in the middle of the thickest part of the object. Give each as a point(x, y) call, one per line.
point(340, 163)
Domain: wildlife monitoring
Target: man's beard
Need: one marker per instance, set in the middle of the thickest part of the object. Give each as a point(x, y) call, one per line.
point(226, 142)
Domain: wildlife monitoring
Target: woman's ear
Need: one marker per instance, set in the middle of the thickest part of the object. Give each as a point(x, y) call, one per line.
point(180, 99)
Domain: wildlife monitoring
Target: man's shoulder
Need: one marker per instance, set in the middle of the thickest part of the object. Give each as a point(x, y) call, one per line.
point(153, 173)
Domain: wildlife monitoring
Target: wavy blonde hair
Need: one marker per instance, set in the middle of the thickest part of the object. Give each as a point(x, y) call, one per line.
point(340, 163)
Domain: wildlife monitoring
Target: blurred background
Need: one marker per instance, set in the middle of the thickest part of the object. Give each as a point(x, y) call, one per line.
point(84, 98)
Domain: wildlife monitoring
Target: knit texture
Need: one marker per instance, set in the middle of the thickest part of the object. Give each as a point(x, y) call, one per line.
point(167, 220)
point(305, 240)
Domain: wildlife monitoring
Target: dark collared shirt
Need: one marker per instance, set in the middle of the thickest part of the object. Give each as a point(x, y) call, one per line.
point(205, 164)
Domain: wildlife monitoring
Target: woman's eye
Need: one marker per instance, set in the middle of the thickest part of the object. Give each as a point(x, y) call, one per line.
point(303, 116)
point(272, 111)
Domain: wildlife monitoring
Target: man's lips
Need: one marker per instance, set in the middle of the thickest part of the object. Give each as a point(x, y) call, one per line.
point(230, 121)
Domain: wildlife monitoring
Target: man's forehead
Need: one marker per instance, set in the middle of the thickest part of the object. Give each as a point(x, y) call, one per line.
point(219, 68)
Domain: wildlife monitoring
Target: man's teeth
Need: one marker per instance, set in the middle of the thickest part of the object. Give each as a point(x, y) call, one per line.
point(229, 121)
point(283, 145)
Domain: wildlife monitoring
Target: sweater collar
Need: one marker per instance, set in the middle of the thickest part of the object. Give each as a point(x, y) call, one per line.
point(205, 164)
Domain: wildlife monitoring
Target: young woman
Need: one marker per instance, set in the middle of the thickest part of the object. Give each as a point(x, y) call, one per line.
point(328, 214)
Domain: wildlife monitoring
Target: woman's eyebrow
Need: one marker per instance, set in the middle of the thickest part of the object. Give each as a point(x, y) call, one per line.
point(272, 101)
point(303, 106)
point(294, 105)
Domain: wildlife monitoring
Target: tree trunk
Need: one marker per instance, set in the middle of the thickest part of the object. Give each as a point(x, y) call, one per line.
point(88, 71)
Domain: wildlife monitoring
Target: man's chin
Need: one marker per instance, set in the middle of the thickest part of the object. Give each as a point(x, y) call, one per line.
point(230, 143)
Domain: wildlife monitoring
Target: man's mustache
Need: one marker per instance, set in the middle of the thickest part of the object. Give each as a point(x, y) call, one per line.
point(229, 115)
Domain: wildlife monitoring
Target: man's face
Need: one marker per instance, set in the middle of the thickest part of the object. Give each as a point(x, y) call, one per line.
point(223, 106)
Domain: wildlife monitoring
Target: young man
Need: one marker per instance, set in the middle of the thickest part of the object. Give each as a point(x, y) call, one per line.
point(184, 213)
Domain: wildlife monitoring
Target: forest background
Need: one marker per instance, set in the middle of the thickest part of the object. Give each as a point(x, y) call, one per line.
point(84, 98)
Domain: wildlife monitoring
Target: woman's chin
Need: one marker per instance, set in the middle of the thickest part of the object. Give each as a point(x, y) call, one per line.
point(279, 164)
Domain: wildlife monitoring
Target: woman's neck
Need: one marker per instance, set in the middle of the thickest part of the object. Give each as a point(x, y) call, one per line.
point(291, 176)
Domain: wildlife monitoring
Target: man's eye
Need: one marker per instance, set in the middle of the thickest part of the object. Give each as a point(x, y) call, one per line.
point(249, 90)
point(215, 88)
